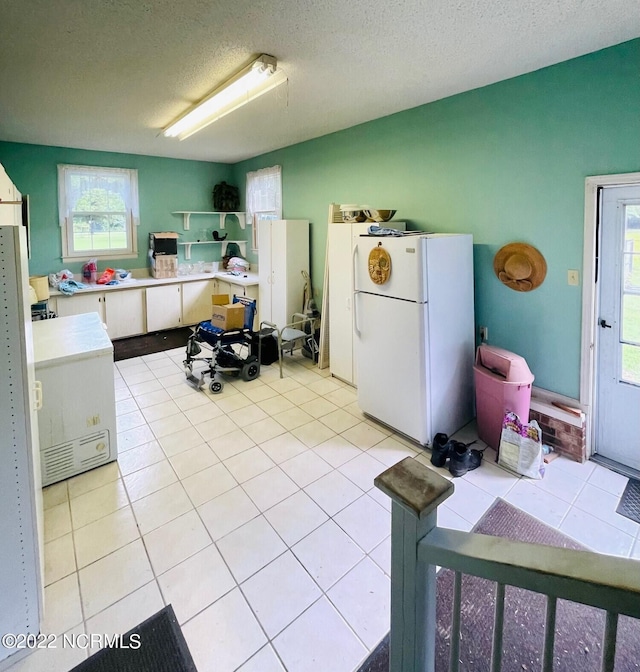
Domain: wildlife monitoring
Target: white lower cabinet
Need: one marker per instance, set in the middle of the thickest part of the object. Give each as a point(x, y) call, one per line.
point(164, 307)
point(124, 313)
point(223, 287)
point(81, 303)
point(140, 310)
point(196, 301)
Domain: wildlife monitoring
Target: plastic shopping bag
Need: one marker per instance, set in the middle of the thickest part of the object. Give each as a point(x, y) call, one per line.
point(521, 447)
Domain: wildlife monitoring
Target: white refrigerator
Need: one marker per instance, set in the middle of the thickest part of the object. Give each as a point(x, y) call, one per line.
point(415, 334)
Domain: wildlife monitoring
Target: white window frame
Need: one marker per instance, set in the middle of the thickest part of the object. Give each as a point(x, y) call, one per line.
point(65, 172)
point(264, 198)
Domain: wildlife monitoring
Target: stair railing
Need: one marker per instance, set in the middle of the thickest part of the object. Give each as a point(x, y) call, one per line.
point(418, 545)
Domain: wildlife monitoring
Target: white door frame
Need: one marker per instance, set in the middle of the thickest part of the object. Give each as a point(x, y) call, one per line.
point(590, 295)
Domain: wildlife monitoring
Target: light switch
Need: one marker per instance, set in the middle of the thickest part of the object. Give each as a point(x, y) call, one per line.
point(573, 277)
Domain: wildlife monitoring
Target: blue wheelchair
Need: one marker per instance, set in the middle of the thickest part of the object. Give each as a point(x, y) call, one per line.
point(223, 352)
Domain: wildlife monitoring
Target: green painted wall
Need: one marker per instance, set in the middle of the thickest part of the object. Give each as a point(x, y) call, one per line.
point(164, 185)
point(506, 163)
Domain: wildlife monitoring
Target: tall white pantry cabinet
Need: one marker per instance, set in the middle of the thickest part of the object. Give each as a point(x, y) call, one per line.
point(283, 248)
point(21, 562)
point(343, 237)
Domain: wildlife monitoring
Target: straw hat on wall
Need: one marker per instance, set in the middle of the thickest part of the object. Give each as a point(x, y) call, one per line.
point(520, 266)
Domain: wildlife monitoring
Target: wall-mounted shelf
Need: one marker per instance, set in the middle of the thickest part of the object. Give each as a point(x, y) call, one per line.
point(187, 246)
point(186, 214)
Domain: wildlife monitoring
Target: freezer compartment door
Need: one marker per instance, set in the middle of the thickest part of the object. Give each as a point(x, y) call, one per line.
point(408, 275)
point(392, 366)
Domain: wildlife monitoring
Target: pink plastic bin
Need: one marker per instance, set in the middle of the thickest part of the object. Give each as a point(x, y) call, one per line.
point(503, 383)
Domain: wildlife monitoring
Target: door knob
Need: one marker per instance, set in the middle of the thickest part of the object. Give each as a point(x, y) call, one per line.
point(603, 323)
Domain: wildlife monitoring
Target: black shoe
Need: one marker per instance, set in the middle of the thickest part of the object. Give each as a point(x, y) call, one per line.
point(462, 458)
point(439, 450)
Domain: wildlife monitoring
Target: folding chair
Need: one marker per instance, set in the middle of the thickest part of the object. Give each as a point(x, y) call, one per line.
point(294, 335)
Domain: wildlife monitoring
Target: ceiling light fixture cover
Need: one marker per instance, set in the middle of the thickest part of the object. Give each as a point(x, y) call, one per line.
point(251, 82)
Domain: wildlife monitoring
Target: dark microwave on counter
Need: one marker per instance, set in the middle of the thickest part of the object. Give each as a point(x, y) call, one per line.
point(165, 242)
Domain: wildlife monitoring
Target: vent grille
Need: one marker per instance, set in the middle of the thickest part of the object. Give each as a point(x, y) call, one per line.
point(58, 462)
point(73, 457)
point(93, 438)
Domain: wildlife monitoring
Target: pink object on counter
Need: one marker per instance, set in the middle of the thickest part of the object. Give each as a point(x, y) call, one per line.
point(107, 276)
point(503, 383)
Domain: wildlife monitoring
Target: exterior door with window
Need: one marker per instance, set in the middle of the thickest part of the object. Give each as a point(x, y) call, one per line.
point(618, 372)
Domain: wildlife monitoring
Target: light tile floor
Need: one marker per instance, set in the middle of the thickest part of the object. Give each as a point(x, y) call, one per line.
point(253, 513)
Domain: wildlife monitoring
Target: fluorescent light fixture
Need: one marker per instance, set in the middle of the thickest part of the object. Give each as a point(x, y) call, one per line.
point(251, 82)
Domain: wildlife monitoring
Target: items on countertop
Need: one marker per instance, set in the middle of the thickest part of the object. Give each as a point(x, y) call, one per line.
point(352, 213)
point(375, 230)
point(163, 254)
point(379, 215)
point(90, 270)
point(107, 276)
point(70, 286)
point(56, 278)
point(362, 213)
point(238, 265)
point(233, 259)
point(63, 281)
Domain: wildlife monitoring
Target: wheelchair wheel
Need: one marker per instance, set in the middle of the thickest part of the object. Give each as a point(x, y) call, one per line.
point(251, 369)
point(215, 386)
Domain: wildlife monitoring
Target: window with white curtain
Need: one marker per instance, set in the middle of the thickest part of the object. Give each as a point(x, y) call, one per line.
point(98, 211)
point(264, 197)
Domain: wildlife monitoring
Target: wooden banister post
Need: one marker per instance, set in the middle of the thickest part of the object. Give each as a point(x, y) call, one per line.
point(416, 491)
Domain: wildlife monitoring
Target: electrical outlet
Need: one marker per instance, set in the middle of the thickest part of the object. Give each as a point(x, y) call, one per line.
point(484, 334)
point(573, 277)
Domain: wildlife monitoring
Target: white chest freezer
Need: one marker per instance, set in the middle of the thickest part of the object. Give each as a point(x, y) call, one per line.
point(77, 423)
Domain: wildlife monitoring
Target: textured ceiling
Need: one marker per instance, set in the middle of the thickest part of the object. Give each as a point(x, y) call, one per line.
point(109, 74)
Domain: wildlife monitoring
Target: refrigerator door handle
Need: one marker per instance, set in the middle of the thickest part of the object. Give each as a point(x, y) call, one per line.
point(354, 268)
point(355, 313)
point(354, 253)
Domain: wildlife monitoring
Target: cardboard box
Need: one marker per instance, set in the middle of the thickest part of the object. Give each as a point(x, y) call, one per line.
point(225, 315)
point(164, 242)
point(219, 299)
point(164, 266)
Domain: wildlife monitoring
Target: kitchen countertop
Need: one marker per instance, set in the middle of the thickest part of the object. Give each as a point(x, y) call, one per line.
point(245, 280)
